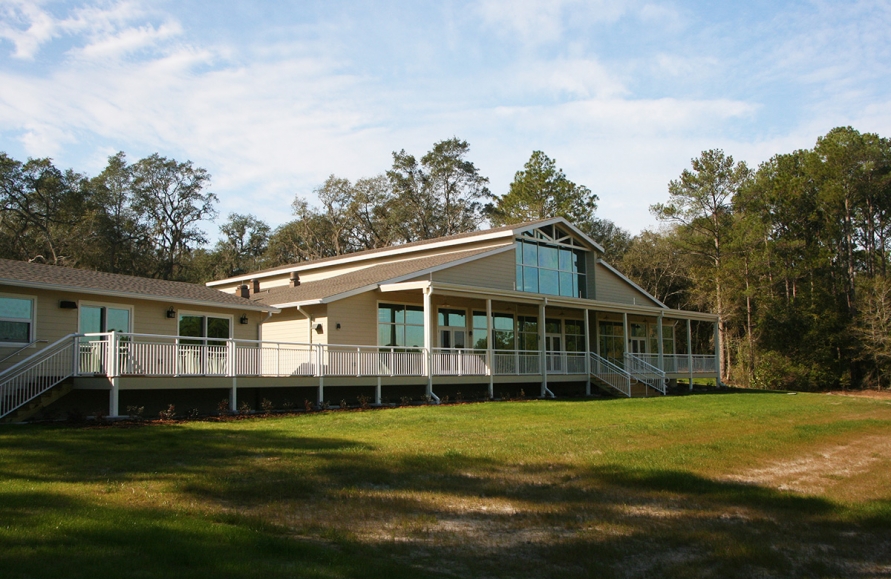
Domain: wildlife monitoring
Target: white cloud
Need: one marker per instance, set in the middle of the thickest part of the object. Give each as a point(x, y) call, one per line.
point(27, 26)
point(535, 22)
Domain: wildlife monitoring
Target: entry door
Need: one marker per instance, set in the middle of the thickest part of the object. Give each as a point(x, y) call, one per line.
point(452, 338)
point(637, 345)
point(95, 320)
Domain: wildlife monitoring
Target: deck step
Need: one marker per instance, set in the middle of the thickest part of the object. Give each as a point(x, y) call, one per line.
point(33, 407)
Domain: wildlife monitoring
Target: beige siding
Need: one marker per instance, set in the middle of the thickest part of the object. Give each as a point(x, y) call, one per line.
point(612, 288)
point(498, 271)
point(357, 316)
point(148, 317)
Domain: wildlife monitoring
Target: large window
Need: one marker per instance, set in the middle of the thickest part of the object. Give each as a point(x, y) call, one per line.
point(400, 325)
point(550, 269)
point(527, 333)
point(502, 331)
point(98, 319)
point(16, 320)
point(575, 335)
point(211, 330)
point(611, 337)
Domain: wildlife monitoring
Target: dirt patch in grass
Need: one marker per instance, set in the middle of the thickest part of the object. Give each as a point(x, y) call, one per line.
point(876, 394)
point(815, 472)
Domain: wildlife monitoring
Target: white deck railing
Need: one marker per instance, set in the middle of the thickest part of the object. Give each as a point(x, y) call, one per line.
point(611, 374)
point(680, 363)
point(644, 372)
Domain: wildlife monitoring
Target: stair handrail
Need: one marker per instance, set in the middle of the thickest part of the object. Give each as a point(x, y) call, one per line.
point(23, 348)
point(599, 361)
point(13, 396)
point(35, 357)
point(640, 369)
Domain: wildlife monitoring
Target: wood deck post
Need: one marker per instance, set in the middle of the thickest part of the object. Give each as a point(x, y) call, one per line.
point(659, 347)
point(624, 336)
point(428, 340)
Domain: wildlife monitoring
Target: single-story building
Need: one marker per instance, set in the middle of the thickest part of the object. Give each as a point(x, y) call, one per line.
point(529, 304)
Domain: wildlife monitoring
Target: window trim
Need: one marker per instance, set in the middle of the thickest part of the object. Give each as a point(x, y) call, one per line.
point(377, 322)
point(32, 329)
point(205, 315)
point(117, 306)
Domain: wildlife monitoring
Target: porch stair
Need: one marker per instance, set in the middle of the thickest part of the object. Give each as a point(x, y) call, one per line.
point(37, 375)
point(28, 410)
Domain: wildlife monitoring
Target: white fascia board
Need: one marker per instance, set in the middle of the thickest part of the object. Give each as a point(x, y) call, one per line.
point(132, 296)
point(351, 258)
point(404, 286)
point(569, 225)
point(634, 285)
point(299, 304)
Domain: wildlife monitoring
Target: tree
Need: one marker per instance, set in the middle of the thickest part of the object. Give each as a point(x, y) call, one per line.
point(614, 240)
point(170, 200)
point(700, 202)
point(42, 209)
point(540, 191)
point(120, 242)
point(441, 195)
point(244, 242)
point(655, 262)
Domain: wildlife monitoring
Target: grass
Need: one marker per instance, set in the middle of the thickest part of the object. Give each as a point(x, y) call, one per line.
point(734, 485)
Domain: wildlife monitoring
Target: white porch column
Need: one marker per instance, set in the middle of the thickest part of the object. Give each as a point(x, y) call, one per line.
point(428, 339)
point(233, 395)
point(717, 355)
point(597, 333)
point(113, 378)
point(490, 357)
point(542, 348)
point(624, 335)
point(690, 353)
point(660, 348)
point(587, 354)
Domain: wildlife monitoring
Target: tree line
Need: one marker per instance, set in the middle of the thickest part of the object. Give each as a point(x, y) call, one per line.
point(145, 218)
point(793, 255)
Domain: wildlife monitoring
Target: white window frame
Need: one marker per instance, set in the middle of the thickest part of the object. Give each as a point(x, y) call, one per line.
point(205, 315)
point(116, 306)
point(377, 322)
point(32, 331)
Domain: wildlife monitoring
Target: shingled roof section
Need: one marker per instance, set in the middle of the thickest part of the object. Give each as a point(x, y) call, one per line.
point(36, 275)
point(364, 278)
point(369, 252)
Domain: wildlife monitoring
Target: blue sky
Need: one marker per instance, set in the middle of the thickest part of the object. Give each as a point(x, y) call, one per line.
point(271, 98)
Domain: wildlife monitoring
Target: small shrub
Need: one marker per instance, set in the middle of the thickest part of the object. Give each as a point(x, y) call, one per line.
point(287, 404)
point(324, 405)
point(192, 414)
point(444, 399)
point(428, 399)
point(168, 414)
point(307, 405)
point(99, 416)
point(522, 394)
point(244, 408)
point(363, 401)
point(266, 405)
point(458, 397)
point(405, 400)
point(344, 405)
point(135, 412)
point(223, 406)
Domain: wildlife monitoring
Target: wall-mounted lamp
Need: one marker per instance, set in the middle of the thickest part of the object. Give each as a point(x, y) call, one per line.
point(243, 319)
point(66, 305)
point(318, 328)
point(171, 313)
point(337, 326)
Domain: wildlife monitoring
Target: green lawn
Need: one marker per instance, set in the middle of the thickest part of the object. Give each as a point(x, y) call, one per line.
point(729, 485)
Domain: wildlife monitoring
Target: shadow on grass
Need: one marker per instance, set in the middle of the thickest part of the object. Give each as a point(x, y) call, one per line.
point(237, 495)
